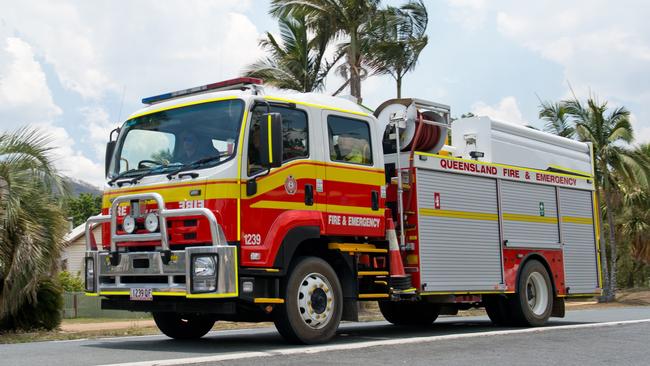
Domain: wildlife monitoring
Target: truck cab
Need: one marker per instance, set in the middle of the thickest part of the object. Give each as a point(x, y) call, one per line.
point(201, 204)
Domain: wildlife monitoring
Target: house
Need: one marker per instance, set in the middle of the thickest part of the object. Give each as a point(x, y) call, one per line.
point(72, 256)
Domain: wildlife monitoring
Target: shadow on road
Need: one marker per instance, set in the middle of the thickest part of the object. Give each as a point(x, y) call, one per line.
point(268, 339)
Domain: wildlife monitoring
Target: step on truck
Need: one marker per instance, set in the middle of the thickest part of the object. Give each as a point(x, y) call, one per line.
point(223, 202)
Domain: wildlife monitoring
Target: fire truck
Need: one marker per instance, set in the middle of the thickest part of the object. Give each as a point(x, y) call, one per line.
point(224, 202)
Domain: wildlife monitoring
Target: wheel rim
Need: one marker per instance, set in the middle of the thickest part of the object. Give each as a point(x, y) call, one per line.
point(315, 300)
point(537, 293)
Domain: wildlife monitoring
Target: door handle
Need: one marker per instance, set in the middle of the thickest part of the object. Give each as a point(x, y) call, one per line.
point(375, 200)
point(309, 194)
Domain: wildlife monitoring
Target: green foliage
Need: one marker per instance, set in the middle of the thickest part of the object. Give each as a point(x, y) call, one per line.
point(297, 61)
point(32, 223)
point(82, 207)
point(70, 282)
point(42, 312)
point(622, 176)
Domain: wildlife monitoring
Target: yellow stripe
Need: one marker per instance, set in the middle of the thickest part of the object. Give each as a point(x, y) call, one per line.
point(319, 106)
point(504, 166)
point(91, 294)
point(356, 248)
point(596, 213)
point(181, 105)
point(240, 148)
point(270, 138)
point(530, 218)
point(284, 205)
point(459, 214)
point(372, 273)
point(577, 220)
point(210, 296)
point(268, 300)
point(465, 292)
point(580, 172)
point(168, 293)
point(114, 293)
point(373, 296)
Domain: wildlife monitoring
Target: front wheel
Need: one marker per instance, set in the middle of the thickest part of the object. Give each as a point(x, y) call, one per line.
point(183, 326)
point(313, 303)
point(533, 303)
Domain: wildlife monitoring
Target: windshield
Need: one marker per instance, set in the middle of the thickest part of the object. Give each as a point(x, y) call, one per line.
point(180, 136)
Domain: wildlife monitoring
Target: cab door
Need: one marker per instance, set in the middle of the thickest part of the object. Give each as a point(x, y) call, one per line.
point(354, 176)
point(270, 197)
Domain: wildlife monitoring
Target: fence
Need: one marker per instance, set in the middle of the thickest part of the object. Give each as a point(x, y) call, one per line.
point(78, 305)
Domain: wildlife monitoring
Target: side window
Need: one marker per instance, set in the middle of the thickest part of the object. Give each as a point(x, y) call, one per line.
point(295, 136)
point(349, 140)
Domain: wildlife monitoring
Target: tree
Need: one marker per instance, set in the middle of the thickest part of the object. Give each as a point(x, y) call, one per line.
point(608, 132)
point(396, 38)
point(82, 207)
point(350, 18)
point(32, 223)
point(298, 61)
point(557, 119)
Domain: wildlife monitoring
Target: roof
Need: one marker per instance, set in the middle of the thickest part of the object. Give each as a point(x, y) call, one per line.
point(315, 99)
point(76, 233)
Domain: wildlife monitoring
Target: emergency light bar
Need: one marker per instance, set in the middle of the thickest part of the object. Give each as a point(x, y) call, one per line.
point(232, 84)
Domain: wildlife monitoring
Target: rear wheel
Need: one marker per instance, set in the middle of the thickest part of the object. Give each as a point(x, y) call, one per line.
point(533, 303)
point(313, 303)
point(497, 309)
point(409, 313)
point(183, 326)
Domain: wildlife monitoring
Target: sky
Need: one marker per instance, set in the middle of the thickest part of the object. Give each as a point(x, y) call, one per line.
point(77, 69)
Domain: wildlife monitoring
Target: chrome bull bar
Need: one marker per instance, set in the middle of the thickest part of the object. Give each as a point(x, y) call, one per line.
point(164, 263)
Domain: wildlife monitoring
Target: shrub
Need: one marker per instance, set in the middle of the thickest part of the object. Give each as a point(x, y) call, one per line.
point(43, 313)
point(70, 282)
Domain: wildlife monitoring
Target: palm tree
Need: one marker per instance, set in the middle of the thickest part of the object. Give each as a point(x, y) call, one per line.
point(32, 223)
point(350, 18)
point(297, 62)
point(396, 38)
point(614, 163)
point(557, 119)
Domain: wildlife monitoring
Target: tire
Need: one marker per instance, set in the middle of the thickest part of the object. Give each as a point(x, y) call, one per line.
point(183, 326)
point(533, 303)
point(409, 313)
point(313, 303)
point(497, 309)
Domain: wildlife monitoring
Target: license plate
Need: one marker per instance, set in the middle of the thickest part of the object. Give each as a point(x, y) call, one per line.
point(141, 294)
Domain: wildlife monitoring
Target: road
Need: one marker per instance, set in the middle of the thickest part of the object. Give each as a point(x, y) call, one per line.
point(618, 336)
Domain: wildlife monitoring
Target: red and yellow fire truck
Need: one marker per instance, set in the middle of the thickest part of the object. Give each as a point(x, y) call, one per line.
point(226, 203)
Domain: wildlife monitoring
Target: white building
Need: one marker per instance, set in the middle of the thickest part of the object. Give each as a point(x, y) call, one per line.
point(72, 256)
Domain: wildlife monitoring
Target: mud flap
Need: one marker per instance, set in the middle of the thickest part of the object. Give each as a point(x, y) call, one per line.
point(558, 307)
point(350, 310)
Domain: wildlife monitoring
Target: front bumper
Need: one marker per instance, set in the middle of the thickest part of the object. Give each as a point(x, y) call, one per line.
point(165, 272)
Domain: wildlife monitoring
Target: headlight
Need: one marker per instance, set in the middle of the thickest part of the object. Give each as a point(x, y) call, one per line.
point(128, 224)
point(204, 273)
point(204, 266)
point(151, 222)
point(90, 274)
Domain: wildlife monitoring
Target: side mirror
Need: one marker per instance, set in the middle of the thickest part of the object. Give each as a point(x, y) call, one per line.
point(271, 140)
point(110, 148)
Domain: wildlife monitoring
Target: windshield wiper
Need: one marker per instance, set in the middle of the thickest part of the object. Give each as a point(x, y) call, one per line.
point(126, 174)
point(195, 164)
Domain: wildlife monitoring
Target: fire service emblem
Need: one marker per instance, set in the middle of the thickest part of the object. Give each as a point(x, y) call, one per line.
point(290, 185)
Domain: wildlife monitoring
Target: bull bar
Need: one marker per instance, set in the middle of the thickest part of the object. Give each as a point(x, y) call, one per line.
point(110, 267)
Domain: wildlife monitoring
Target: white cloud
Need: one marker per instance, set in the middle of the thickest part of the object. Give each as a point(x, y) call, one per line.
point(470, 14)
point(146, 46)
point(506, 110)
point(24, 94)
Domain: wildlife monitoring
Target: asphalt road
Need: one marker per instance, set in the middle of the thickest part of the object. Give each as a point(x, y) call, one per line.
point(618, 336)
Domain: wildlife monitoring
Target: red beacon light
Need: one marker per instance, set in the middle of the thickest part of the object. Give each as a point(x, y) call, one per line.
point(242, 83)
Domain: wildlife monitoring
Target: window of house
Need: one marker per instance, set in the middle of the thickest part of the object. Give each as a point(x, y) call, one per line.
point(295, 136)
point(349, 140)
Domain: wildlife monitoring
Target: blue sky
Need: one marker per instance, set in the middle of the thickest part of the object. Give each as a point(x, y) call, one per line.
point(78, 68)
